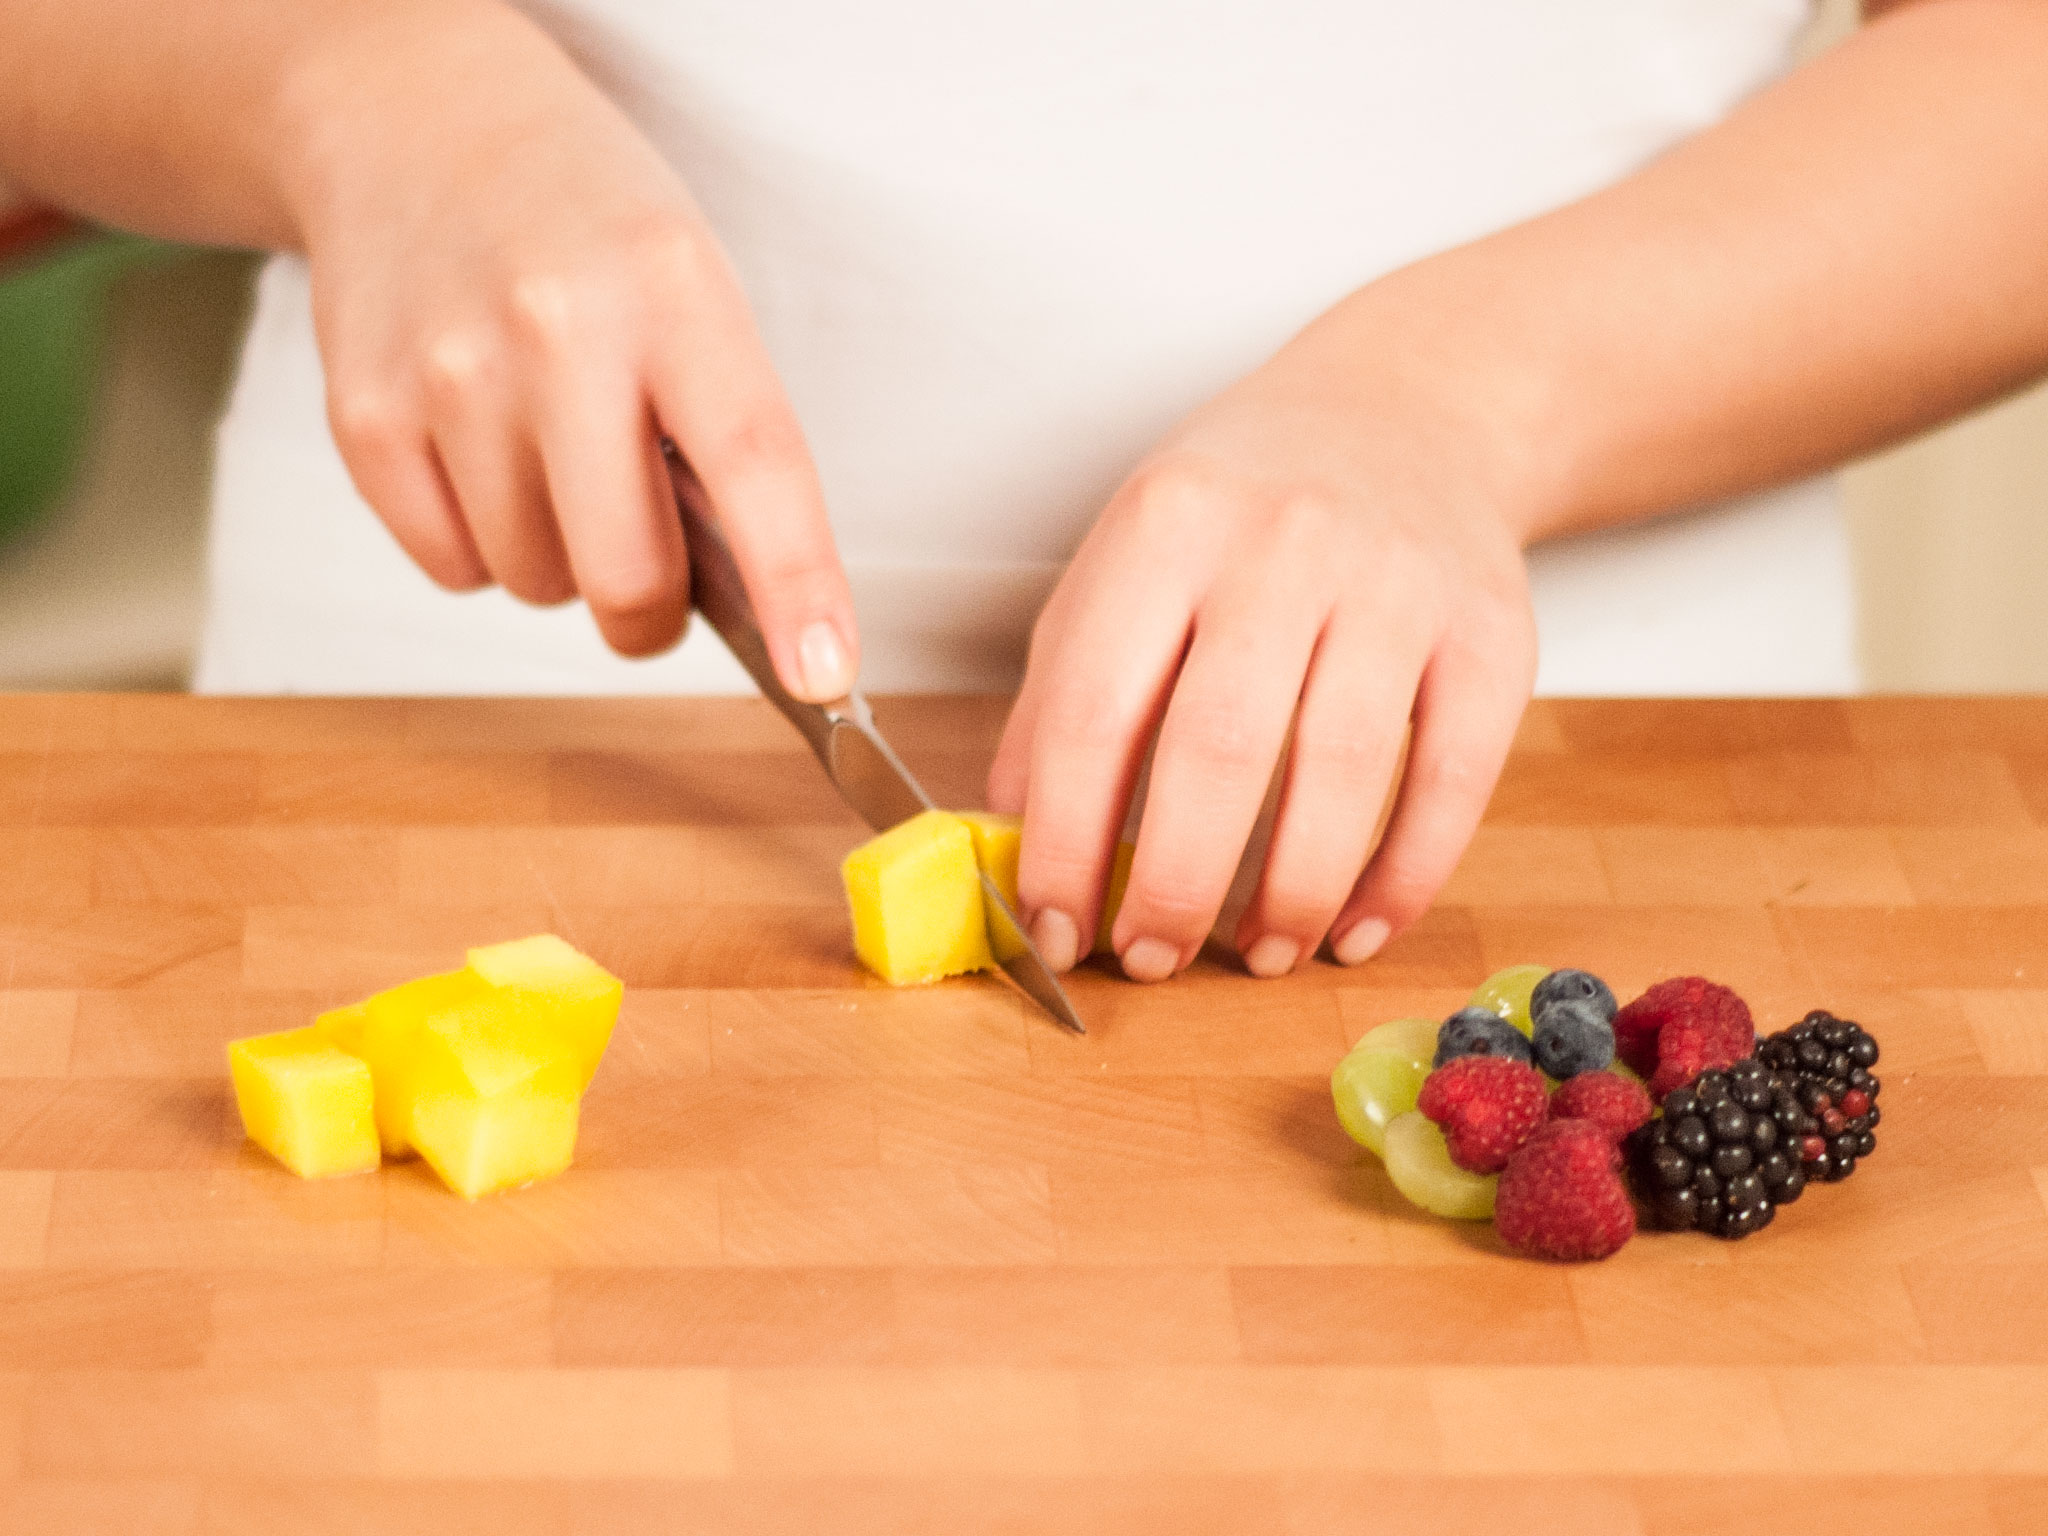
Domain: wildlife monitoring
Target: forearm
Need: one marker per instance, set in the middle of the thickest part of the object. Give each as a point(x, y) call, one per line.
point(214, 122)
point(1858, 252)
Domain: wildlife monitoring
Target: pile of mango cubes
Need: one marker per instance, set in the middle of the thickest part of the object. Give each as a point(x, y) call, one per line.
point(915, 892)
point(480, 1071)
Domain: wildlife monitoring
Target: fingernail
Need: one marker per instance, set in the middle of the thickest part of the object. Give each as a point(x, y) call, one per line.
point(1150, 960)
point(1272, 956)
point(1362, 942)
point(822, 660)
point(1053, 932)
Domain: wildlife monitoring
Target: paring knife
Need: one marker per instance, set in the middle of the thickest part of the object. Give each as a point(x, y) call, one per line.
point(867, 770)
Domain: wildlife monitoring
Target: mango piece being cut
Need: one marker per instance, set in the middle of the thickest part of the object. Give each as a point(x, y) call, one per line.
point(304, 1102)
point(916, 900)
point(913, 911)
point(997, 841)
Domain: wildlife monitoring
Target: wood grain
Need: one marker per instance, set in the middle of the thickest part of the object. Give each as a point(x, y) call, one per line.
point(836, 1258)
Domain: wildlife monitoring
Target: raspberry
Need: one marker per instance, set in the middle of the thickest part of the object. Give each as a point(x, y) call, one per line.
point(1561, 1195)
point(1681, 1028)
point(1615, 1103)
point(1487, 1106)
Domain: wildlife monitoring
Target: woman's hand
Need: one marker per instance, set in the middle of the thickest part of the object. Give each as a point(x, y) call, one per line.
point(1327, 546)
point(513, 294)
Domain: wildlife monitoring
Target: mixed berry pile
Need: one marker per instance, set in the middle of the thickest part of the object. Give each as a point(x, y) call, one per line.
point(1565, 1119)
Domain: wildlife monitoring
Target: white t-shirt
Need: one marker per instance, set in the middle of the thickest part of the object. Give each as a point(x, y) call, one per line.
point(995, 252)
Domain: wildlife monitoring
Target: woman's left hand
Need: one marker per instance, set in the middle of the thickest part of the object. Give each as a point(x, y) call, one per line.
point(1332, 546)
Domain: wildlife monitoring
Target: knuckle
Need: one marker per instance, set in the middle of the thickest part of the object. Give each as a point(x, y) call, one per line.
point(1403, 891)
point(761, 441)
point(1171, 491)
point(1054, 873)
point(546, 309)
point(1175, 902)
point(1302, 517)
point(1350, 757)
point(1455, 773)
point(456, 361)
point(368, 419)
point(1088, 721)
point(799, 577)
point(630, 592)
point(1217, 738)
point(671, 251)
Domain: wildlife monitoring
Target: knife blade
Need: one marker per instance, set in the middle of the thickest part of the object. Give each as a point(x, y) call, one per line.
point(855, 755)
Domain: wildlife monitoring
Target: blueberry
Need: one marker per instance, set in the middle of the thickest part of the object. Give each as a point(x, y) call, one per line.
point(1572, 987)
point(1479, 1032)
point(1572, 1037)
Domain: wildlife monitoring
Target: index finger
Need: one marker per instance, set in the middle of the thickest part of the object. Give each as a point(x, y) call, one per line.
point(716, 393)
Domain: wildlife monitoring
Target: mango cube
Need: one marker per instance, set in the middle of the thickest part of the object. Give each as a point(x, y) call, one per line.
point(384, 1031)
point(916, 899)
point(493, 1087)
point(908, 922)
point(304, 1102)
point(548, 973)
point(997, 841)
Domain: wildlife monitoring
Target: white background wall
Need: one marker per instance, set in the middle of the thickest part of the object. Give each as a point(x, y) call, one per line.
point(1951, 531)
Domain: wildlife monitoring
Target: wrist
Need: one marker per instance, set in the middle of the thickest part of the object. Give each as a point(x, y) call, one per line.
point(363, 103)
point(1443, 355)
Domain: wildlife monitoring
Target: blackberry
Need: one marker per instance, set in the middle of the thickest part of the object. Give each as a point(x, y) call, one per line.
point(1826, 1062)
point(1724, 1155)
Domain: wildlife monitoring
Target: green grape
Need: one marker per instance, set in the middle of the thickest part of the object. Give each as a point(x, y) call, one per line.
point(1507, 994)
point(1370, 1088)
point(1420, 1165)
point(1413, 1038)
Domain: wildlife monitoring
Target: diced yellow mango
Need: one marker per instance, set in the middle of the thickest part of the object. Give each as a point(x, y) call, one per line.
point(548, 973)
point(480, 1143)
point(1119, 882)
point(916, 899)
point(997, 841)
point(384, 1032)
point(304, 1102)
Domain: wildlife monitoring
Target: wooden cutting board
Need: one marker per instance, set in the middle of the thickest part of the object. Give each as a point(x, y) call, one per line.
point(839, 1258)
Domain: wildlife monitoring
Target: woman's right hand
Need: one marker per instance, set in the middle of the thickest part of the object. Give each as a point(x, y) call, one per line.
point(515, 297)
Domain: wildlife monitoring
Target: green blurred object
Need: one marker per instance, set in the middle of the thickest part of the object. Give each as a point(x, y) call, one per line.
point(53, 308)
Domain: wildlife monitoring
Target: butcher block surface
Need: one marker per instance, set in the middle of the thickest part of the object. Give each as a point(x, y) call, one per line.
point(837, 1258)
